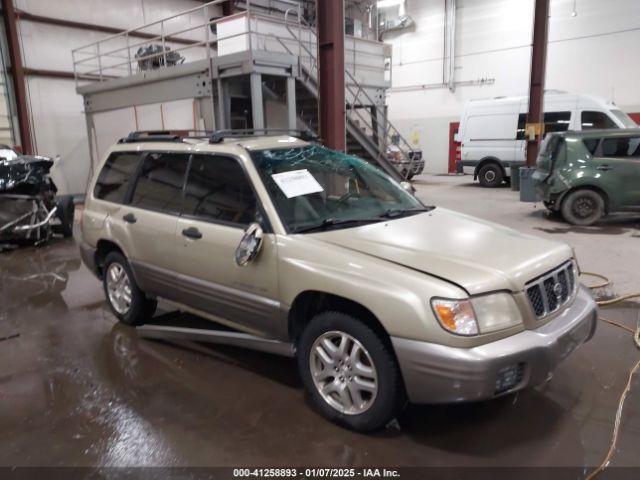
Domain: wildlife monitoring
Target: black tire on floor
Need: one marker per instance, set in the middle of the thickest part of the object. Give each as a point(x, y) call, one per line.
point(141, 308)
point(583, 207)
point(65, 213)
point(390, 396)
point(490, 175)
point(410, 176)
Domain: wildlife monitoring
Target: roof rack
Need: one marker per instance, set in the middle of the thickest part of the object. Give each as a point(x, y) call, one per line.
point(215, 136)
point(151, 136)
point(219, 135)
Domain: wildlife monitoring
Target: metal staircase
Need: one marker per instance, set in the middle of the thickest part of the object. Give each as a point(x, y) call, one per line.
point(367, 136)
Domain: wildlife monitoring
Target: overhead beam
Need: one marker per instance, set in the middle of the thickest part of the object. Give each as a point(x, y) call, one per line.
point(15, 57)
point(330, 20)
point(60, 22)
point(535, 116)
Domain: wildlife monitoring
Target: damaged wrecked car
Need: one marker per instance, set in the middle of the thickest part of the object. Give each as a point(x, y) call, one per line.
point(30, 210)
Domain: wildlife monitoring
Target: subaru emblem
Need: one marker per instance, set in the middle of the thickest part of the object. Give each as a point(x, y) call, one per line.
point(558, 290)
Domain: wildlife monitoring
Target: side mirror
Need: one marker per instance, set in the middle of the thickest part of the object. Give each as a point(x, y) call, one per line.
point(249, 247)
point(408, 187)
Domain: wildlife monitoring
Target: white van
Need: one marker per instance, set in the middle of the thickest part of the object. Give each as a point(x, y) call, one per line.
point(492, 131)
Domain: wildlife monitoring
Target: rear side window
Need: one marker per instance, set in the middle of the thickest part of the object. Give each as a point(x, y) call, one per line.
point(556, 121)
point(116, 175)
point(522, 121)
point(591, 144)
point(219, 190)
point(595, 120)
point(159, 185)
point(553, 122)
point(555, 147)
point(623, 147)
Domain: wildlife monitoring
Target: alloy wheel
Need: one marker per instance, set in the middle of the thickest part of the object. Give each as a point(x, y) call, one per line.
point(118, 288)
point(343, 372)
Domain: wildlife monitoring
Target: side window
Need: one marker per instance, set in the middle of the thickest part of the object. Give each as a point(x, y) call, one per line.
point(116, 175)
point(219, 190)
point(623, 147)
point(591, 144)
point(159, 185)
point(556, 121)
point(595, 120)
point(522, 122)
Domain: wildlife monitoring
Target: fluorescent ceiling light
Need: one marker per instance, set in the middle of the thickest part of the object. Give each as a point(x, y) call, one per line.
point(389, 3)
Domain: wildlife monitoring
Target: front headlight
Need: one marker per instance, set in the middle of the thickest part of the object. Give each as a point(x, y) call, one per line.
point(456, 316)
point(496, 311)
point(482, 314)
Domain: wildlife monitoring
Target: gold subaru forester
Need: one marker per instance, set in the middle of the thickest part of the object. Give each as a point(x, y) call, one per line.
point(382, 299)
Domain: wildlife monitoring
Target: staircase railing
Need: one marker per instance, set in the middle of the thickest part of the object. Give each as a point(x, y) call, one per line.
point(385, 132)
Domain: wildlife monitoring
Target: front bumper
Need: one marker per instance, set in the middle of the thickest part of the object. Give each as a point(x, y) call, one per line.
point(436, 373)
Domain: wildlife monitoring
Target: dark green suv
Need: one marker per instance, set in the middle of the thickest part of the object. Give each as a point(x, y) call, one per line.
point(586, 175)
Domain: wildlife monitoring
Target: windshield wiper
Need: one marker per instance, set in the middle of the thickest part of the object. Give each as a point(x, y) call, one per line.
point(401, 212)
point(329, 223)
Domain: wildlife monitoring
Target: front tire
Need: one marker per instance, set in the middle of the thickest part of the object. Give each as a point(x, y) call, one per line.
point(490, 175)
point(127, 302)
point(351, 374)
point(583, 207)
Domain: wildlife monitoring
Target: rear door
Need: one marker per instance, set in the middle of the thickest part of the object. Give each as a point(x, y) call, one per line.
point(151, 216)
point(219, 205)
point(618, 165)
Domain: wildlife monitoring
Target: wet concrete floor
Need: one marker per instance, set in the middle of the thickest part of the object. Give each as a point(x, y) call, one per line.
point(78, 389)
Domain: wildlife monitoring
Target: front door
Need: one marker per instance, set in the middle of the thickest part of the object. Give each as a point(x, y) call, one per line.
point(219, 204)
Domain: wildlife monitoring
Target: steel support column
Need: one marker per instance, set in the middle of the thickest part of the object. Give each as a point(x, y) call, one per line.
point(17, 74)
point(257, 108)
point(223, 120)
point(292, 116)
point(330, 19)
point(535, 116)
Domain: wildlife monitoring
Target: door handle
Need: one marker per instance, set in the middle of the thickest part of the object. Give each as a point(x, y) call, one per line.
point(192, 232)
point(130, 218)
point(604, 168)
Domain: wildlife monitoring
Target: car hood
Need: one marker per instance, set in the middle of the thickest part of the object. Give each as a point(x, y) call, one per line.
point(477, 255)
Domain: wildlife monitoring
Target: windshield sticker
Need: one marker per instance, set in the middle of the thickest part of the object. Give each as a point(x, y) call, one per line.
point(297, 183)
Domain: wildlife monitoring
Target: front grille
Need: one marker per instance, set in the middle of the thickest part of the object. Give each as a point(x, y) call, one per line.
point(552, 290)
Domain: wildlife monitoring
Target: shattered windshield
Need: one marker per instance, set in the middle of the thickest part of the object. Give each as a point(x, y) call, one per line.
point(314, 189)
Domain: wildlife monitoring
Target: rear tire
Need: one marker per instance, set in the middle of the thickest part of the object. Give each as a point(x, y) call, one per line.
point(356, 384)
point(583, 207)
point(127, 302)
point(490, 175)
